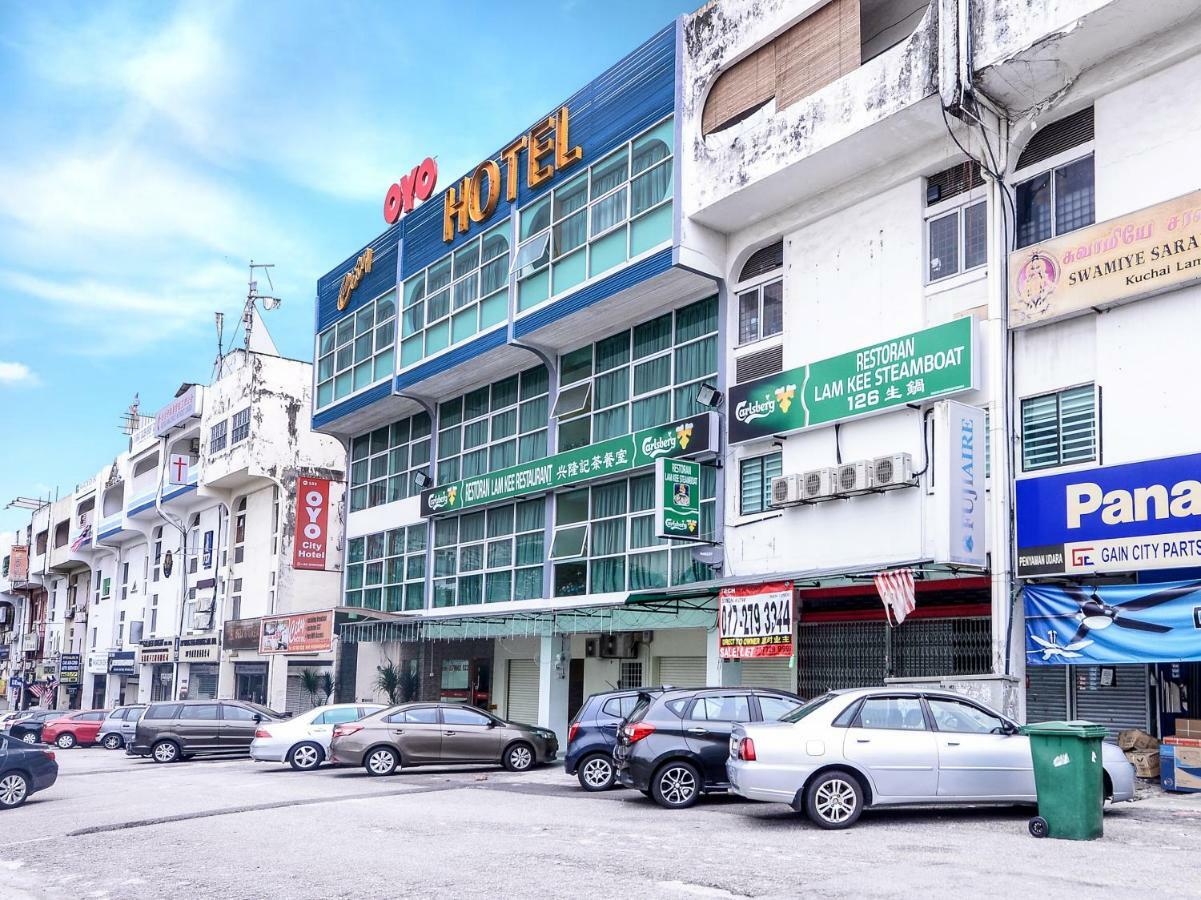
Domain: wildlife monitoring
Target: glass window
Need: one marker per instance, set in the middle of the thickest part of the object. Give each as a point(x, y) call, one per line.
point(233, 713)
point(162, 711)
point(1056, 202)
point(725, 708)
point(894, 713)
point(422, 715)
point(944, 246)
point(755, 477)
point(953, 715)
point(460, 716)
point(338, 716)
point(207, 711)
point(761, 312)
point(357, 351)
point(957, 241)
point(620, 707)
point(1059, 429)
point(774, 707)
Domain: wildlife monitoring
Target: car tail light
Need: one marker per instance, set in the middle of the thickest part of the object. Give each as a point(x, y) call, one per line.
point(636, 731)
point(262, 733)
point(49, 754)
point(746, 750)
point(347, 728)
point(571, 731)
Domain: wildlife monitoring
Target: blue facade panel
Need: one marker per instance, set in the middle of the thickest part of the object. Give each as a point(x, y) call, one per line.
point(382, 277)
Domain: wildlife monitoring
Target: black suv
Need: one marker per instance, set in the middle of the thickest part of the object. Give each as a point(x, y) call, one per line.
point(179, 729)
point(674, 745)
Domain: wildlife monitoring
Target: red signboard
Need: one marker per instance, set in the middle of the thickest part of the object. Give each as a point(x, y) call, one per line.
point(312, 523)
point(18, 563)
point(755, 620)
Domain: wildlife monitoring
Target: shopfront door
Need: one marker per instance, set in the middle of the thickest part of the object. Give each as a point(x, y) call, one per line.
point(250, 682)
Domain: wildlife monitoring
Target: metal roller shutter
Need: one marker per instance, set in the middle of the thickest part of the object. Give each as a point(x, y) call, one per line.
point(681, 671)
point(521, 691)
point(1046, 693)
point(1118, 706)
point(768, 673)
point(298, 698)
point(202, 682)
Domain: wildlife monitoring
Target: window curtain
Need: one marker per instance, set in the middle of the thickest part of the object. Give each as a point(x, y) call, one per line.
point(650, 188)
point(651, 411)
point(651, 337)
point(608, 575)
point(648, 570)
point(527, 583)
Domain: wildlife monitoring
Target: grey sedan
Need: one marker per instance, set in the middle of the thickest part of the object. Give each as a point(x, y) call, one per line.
point(848, 750)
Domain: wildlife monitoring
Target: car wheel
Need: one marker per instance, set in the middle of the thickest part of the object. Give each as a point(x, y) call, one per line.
point(381, 761)
point(14, 790)
point(304, 757)
point(834, 800)
point(519, 757)
point(113, 742)
point(29, 737)
point(596, 772)
point(65, 741)
point(165, 752)
point(676, 786)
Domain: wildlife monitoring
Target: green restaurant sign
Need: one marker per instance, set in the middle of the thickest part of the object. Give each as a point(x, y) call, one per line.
point(912, 368)
point(692, 436)
point(678, 492)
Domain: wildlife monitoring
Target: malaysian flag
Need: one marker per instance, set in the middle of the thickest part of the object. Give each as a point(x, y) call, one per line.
point(896, 591)
point(85, 537)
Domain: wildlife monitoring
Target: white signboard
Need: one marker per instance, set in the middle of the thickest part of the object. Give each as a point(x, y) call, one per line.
point(182, 408)
point(960, 498)
point(178, 468)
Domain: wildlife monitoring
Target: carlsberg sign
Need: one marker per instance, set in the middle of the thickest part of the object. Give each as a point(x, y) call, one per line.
point(936, 362)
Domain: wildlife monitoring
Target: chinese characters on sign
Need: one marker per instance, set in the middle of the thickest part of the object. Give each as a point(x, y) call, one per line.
point(312, 523)
point(910, 369)
point(755, 620)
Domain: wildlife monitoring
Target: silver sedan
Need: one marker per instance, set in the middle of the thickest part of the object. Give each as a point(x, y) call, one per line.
point(303, 740)
point(847, 750)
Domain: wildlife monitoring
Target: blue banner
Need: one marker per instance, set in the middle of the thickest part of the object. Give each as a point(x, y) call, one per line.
point(1128, 623)
point(1124, 518)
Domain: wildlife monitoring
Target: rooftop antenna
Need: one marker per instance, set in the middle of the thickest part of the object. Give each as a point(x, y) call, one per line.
point(131, 420)
point(220, 320)
point(270, 301)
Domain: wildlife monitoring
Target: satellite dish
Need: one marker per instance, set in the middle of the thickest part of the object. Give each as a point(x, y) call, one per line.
point(708, 554)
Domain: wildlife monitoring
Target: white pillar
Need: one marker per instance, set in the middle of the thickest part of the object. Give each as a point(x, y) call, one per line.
point(277, 682)
point(719, 672)
point(554, 664)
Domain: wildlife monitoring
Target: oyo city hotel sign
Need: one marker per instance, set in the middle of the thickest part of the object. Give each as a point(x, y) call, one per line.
point(312, 523)
point(693, 436)
point(913, 368)
point(1123, 518)
point(548, 150)
point(1124, 259)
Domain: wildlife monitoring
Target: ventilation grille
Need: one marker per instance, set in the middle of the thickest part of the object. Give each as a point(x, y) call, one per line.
point(763, 261)
point(757, 365)
point(948, 183)
point(1070, 131)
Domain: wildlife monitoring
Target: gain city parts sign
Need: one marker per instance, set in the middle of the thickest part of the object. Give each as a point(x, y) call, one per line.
point(1123, 518)
point(912, 368)
point(687, 437)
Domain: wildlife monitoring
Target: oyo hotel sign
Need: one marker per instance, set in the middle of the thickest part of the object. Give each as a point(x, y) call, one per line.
point(1123, 518)
point(694, 436)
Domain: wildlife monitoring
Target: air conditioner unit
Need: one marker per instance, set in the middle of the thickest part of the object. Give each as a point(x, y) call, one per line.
point(893, 471)
point(619, 646)
point(855, 478)
point(590, 648)
point(785, 489)
point(818, 484)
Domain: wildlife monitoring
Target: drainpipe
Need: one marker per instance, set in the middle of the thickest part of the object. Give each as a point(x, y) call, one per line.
point(179, 526)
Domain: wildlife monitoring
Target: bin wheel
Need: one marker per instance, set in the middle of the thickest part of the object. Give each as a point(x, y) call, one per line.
point(1038, 827)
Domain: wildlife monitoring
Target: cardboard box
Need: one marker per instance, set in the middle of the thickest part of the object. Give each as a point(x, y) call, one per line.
point(1181, 769)
point(1145, 762)
point(1188, 728)
point(1133, 739)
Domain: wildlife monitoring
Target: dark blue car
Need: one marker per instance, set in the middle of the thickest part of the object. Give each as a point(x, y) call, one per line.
point(593, 734)
point(24, 770)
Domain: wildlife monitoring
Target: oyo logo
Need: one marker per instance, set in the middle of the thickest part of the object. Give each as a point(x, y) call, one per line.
point(653, 446)
point(684, 435)
point(1119, 507)
point(416, 187)
point(750, 410)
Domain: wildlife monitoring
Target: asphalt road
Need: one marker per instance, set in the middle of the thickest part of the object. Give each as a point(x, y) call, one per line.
point(119, 827)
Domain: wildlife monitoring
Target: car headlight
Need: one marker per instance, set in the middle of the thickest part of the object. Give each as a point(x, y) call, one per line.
point(545, 735)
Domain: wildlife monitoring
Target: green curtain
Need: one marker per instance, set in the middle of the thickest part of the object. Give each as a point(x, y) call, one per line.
point(471, 527)
point(531, 515)
point(471, 589)
point(609, 500)
point(697, 319)
point(648, 570)
point(653, 336)
point(500, 521)
point(613, 352)
point(650, 411)
point(416, 538)
point(608, 536)
point(529, 548)
point(500, 553)
point(446, 532)
point(608, 575)
point(528, 582)
point(499, 587)
point(471, 558)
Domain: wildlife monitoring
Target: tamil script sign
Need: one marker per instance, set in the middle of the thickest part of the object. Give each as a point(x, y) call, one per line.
point(690, 436)
point(678, 507)
point(909, 369)
point(1123, 259)
point(755, 620)
point(1088, 625)
point(303, 633)
point(1124, 518)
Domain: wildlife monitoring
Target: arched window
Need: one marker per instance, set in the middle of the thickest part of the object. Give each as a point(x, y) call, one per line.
point(761, 295)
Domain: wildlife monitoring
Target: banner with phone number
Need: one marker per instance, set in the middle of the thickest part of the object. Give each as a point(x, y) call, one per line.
point(755, 620)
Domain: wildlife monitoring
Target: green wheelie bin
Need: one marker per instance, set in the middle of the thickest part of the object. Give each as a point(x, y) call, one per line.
point(1069, 779)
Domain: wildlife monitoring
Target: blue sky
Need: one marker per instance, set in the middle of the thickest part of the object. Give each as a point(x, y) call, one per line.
point(151, 150)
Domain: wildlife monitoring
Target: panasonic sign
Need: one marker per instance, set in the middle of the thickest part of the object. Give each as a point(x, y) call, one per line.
point(1143, 515)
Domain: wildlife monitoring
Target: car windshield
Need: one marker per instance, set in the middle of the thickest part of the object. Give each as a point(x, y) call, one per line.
point(801, 711)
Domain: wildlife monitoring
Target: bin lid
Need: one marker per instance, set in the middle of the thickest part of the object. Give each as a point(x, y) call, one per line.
point(1075, 728)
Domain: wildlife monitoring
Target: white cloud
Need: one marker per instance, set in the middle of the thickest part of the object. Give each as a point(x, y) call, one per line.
point(16, 373)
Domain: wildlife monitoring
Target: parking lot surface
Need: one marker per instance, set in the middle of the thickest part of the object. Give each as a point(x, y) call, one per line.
point(114, 826)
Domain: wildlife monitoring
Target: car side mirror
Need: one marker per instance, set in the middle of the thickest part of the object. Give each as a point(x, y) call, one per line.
point(258, 717)
point(1009, 728)
point(491, 724)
